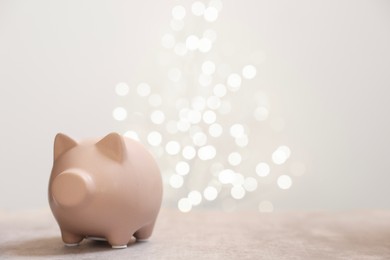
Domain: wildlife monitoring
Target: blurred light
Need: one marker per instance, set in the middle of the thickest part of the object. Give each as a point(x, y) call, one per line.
point(199, 139)
point(262, 169)
point(234, 159)
point(198, 109)
point(154, 138)
point(184, 114)
point(194, 117)
point(195, 197)
point(237, 130)
point(261, 113)
point(172, 147)
point(266, 206)
point(237, 192)
point(122, 89)
point(189, 152)
point(242, 141)
point(183, 126)
point(182, 168)
point(226, 176)
point(215, 168)
point(198, 103)
point(132, 134)
point(210, 34)
point(119, 113)
point(177, 25)
point(234, 82)
point(281, 154)
point(219, 90)
point(213, 102)
point(210, 193)
point(174, 74)
point(215, 130)
point(157, 117)
point(207, 152)
point(250, 184)
point(171, 127)
point(155, 100)
point(209, 117)
point(192, 42)
point(285, 150)
point(238, 179)
point(143, 89)
point(249, 72)
point(176, 181)
point(217, 4)
point(178, 12)
point(168, 41)
point(180, 49)
point(198, 8)
point(208, 67)
point(284, 182)
point(184, 205)
point(297, 168)
point(204, 45)
point(195, 129)
point(210, 14)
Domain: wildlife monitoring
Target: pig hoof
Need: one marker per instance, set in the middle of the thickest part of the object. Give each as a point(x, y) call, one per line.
point(142, 239)
point(71, 244)
point(119, 247)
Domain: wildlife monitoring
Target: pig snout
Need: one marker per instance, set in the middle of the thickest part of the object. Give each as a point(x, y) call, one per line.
point(72, 188)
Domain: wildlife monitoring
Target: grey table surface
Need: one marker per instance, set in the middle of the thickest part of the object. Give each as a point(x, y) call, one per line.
point(213, 235)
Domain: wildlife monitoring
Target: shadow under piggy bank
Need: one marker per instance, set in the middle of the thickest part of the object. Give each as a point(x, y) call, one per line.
point(53, 246)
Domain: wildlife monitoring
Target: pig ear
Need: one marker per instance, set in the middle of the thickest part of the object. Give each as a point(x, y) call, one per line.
point(62, 143)
point(112, 146)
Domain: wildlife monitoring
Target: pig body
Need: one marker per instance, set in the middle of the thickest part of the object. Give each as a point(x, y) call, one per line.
point(109, 188)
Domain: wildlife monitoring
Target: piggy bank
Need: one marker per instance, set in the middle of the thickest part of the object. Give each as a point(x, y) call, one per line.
point(107, 189)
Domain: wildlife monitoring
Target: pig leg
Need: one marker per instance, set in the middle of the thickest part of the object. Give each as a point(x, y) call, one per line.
point(145, 232)
point(71, 239)
point(119, 239)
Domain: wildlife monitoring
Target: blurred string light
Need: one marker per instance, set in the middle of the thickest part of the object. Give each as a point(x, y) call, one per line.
point(199, 126)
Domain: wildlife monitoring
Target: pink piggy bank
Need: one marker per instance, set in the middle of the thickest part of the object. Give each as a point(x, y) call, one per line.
point(106, 189)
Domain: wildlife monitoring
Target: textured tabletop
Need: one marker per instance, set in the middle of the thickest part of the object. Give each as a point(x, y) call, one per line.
point(213, 235)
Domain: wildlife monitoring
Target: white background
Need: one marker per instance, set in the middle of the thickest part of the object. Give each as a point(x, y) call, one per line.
point(328, 62)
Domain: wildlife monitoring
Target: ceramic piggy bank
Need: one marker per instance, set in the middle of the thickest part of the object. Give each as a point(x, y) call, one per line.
point(106, 189)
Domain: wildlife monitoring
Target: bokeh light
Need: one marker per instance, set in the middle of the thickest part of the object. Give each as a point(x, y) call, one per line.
point(284, 182)
point(249, 72)
point(205, 114)
point(198, 8)
point(195, 197)
point(266, 206)
point(210, 14)
point(184, 205)
point(178, 12)
point(119, 113)
point(143, 89)
point(234, 82)
point(122, 89)
point(210, 193)
point(262, 169)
